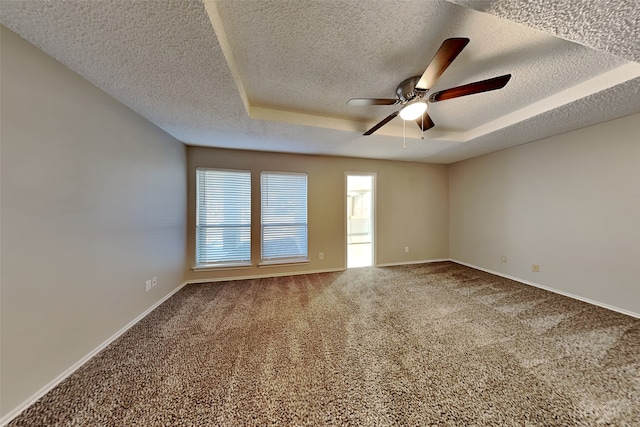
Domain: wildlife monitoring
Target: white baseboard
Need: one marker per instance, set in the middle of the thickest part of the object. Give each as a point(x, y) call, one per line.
point(424, 261)
point(263, 276)
point(547, 288)
point(44, 390)
point(53, 383)
point(57, 380)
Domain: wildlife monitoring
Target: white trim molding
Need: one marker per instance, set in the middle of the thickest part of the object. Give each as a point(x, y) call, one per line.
point(64, 375)
point(424, 261)
point(31, 400)
point(556, 291)
point(263, 276)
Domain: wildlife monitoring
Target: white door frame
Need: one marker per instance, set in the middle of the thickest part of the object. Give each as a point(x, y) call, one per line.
point(374, 227)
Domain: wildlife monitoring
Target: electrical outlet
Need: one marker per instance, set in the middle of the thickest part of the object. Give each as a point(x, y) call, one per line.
point(321, 255)
point(406, 248)
point(503, 259)
point(154, 282)
point(535, 267)
point(147, 286)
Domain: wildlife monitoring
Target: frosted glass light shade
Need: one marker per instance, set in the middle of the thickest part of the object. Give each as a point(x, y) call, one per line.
point(413, 111)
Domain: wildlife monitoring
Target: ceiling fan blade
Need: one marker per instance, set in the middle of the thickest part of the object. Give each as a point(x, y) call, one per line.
point(448, 51)
point(424, 122)
point(471, 88)
point(381, 123)
point(359, 102)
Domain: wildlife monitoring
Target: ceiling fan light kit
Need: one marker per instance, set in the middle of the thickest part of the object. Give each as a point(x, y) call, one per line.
point(410, 94)
point(413, 110)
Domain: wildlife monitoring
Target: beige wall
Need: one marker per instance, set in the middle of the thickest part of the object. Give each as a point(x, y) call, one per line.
point(570, 203)
point(411, 207)
point(92, 204)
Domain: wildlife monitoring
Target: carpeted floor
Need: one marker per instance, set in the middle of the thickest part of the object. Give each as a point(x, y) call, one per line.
point(430, 344)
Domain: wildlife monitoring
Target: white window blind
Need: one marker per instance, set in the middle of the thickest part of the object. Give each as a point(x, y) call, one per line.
point(223, 217)
point(284, 216)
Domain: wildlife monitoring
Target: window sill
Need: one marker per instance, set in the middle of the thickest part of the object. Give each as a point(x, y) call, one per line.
point(222, 266)
point(281, 262)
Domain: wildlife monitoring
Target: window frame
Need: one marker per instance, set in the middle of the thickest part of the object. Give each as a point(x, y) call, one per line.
point(230, 263)
point(303, 258)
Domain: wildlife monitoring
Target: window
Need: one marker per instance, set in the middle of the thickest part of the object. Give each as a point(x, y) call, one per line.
point(223, 217)
point(284, 217)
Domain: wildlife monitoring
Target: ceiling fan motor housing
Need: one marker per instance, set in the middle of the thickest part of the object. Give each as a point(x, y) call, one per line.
point(407, 91)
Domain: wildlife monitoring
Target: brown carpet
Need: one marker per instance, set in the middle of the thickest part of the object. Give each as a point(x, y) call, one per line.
point(430, 344)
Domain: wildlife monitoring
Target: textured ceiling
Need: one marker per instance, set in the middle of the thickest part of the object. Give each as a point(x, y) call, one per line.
point(607, 25)
point(276, 75)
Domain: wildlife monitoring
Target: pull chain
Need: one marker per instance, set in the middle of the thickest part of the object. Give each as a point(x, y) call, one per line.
point(404, 134)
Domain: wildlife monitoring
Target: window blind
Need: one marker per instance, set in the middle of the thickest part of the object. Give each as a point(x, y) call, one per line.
point(284, 216)
point(223, 216)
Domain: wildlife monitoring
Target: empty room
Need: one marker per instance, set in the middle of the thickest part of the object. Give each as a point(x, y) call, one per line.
point(319, 212)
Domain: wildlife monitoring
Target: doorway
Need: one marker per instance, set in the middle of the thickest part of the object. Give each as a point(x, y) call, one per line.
point(360, 220)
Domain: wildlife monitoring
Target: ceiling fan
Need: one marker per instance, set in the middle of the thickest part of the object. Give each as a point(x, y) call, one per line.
point(411, 93)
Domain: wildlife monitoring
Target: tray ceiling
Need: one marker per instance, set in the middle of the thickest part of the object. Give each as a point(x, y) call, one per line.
point(276, 75)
